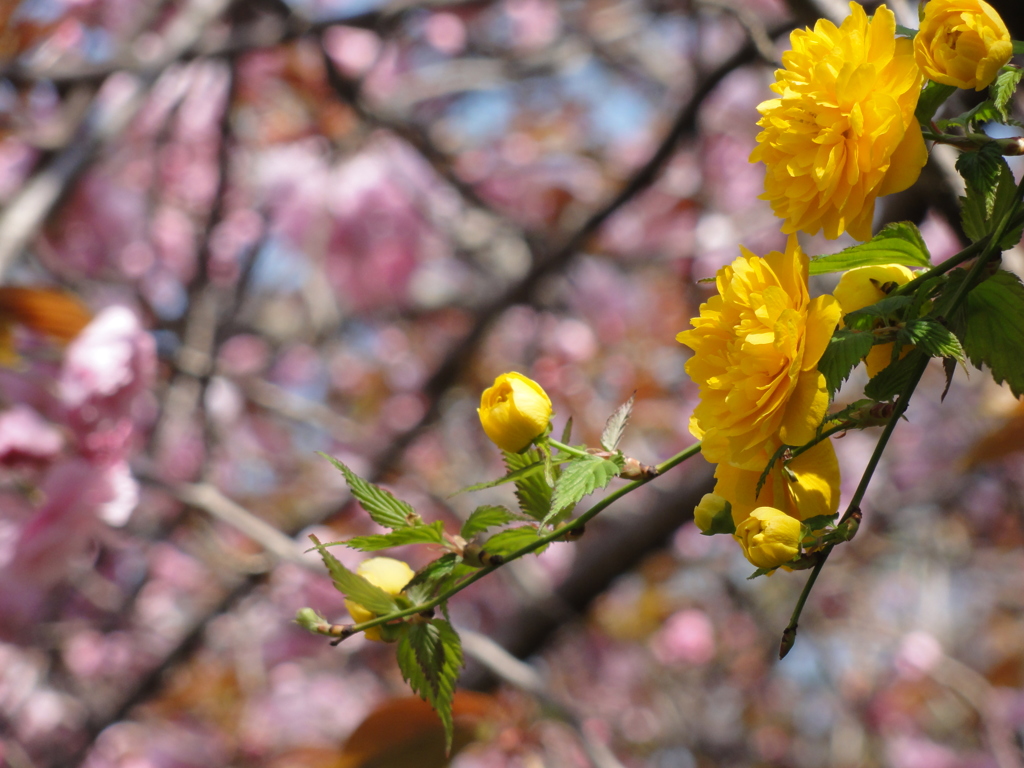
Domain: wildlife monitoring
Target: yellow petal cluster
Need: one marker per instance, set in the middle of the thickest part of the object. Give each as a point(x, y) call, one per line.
point(387, 573)
point(769, 537)
point(842, 130)
point(962, 43)
point(514, 411)
point(863, 286)
point(756, 349)
point(808, 487)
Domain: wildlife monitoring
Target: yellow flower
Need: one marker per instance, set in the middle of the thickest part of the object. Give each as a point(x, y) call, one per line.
point(757, 344)
point(962, 43)
point(863, 286)
point(842, 131)
point(769, 537)
point(387, 573)
point(713, 515)
point(808, 487)
point(514, 411)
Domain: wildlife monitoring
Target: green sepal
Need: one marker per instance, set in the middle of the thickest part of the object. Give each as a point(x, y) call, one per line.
point(722, 522)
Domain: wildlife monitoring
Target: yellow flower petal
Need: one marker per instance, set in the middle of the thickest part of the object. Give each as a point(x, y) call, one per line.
point(963, 43)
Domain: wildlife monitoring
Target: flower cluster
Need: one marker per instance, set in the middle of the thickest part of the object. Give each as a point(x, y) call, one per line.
point(756, 345)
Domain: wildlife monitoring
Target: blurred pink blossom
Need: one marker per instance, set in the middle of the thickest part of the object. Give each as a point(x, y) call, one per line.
point(111, 362)
point(688, 636)
point(25, 437)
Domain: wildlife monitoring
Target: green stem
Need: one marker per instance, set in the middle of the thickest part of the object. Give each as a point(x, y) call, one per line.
point(956, 260)
point(988, 247)
point(554, 535)
point(567, 448)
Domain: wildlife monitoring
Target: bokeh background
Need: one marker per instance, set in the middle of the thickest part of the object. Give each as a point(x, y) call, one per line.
point(306, 225)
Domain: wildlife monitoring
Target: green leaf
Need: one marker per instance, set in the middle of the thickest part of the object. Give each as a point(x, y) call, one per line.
point(1018, 47)
point(484, 518)
point(416, 534)
point(981, 171)
point(818, 522)
point(762, 572)
point(567, 431)
point(985, 112)
point(382, 507)
point(533, 493)
point(893, 379)
point(513, 476)
point(512, 540)
point(887, 309)
point(583, 476)
point(844, 352)
point(897, 243)
point(423, 586)
point(429, 657)
point(932, 97)
point(353, 586)
point(934, 339)
point(616, 425)
point(995, 329)
point(1004, 87)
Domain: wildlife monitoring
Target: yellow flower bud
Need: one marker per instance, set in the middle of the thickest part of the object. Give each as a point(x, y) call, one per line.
point(962, 43)
point(769, 537)
point(713, 515)
point(387, 573)
point(863, 286)
point(514, 411)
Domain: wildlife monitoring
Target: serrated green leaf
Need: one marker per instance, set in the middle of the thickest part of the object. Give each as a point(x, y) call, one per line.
point(844, 352)
point(893, 379)
point(429, 657)
point(416, 534)
point(353, 586)
point(533, 493)
point(886, 309)
point(994, 336)
point(934, 339)
point(512, 540)
point(1004, 87)
point(486, 517)
point(991, 195)
point(616, 425)
point(897, 243)
point(932, 97)
point(382, 507)
point(513, 476)
point(428, 578)
point(581, 477)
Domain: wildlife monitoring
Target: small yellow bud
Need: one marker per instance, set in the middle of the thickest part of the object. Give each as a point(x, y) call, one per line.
point(387, 573)
point(713, 515)
point(769, 537)
point(514, 411)
point(963, 43)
